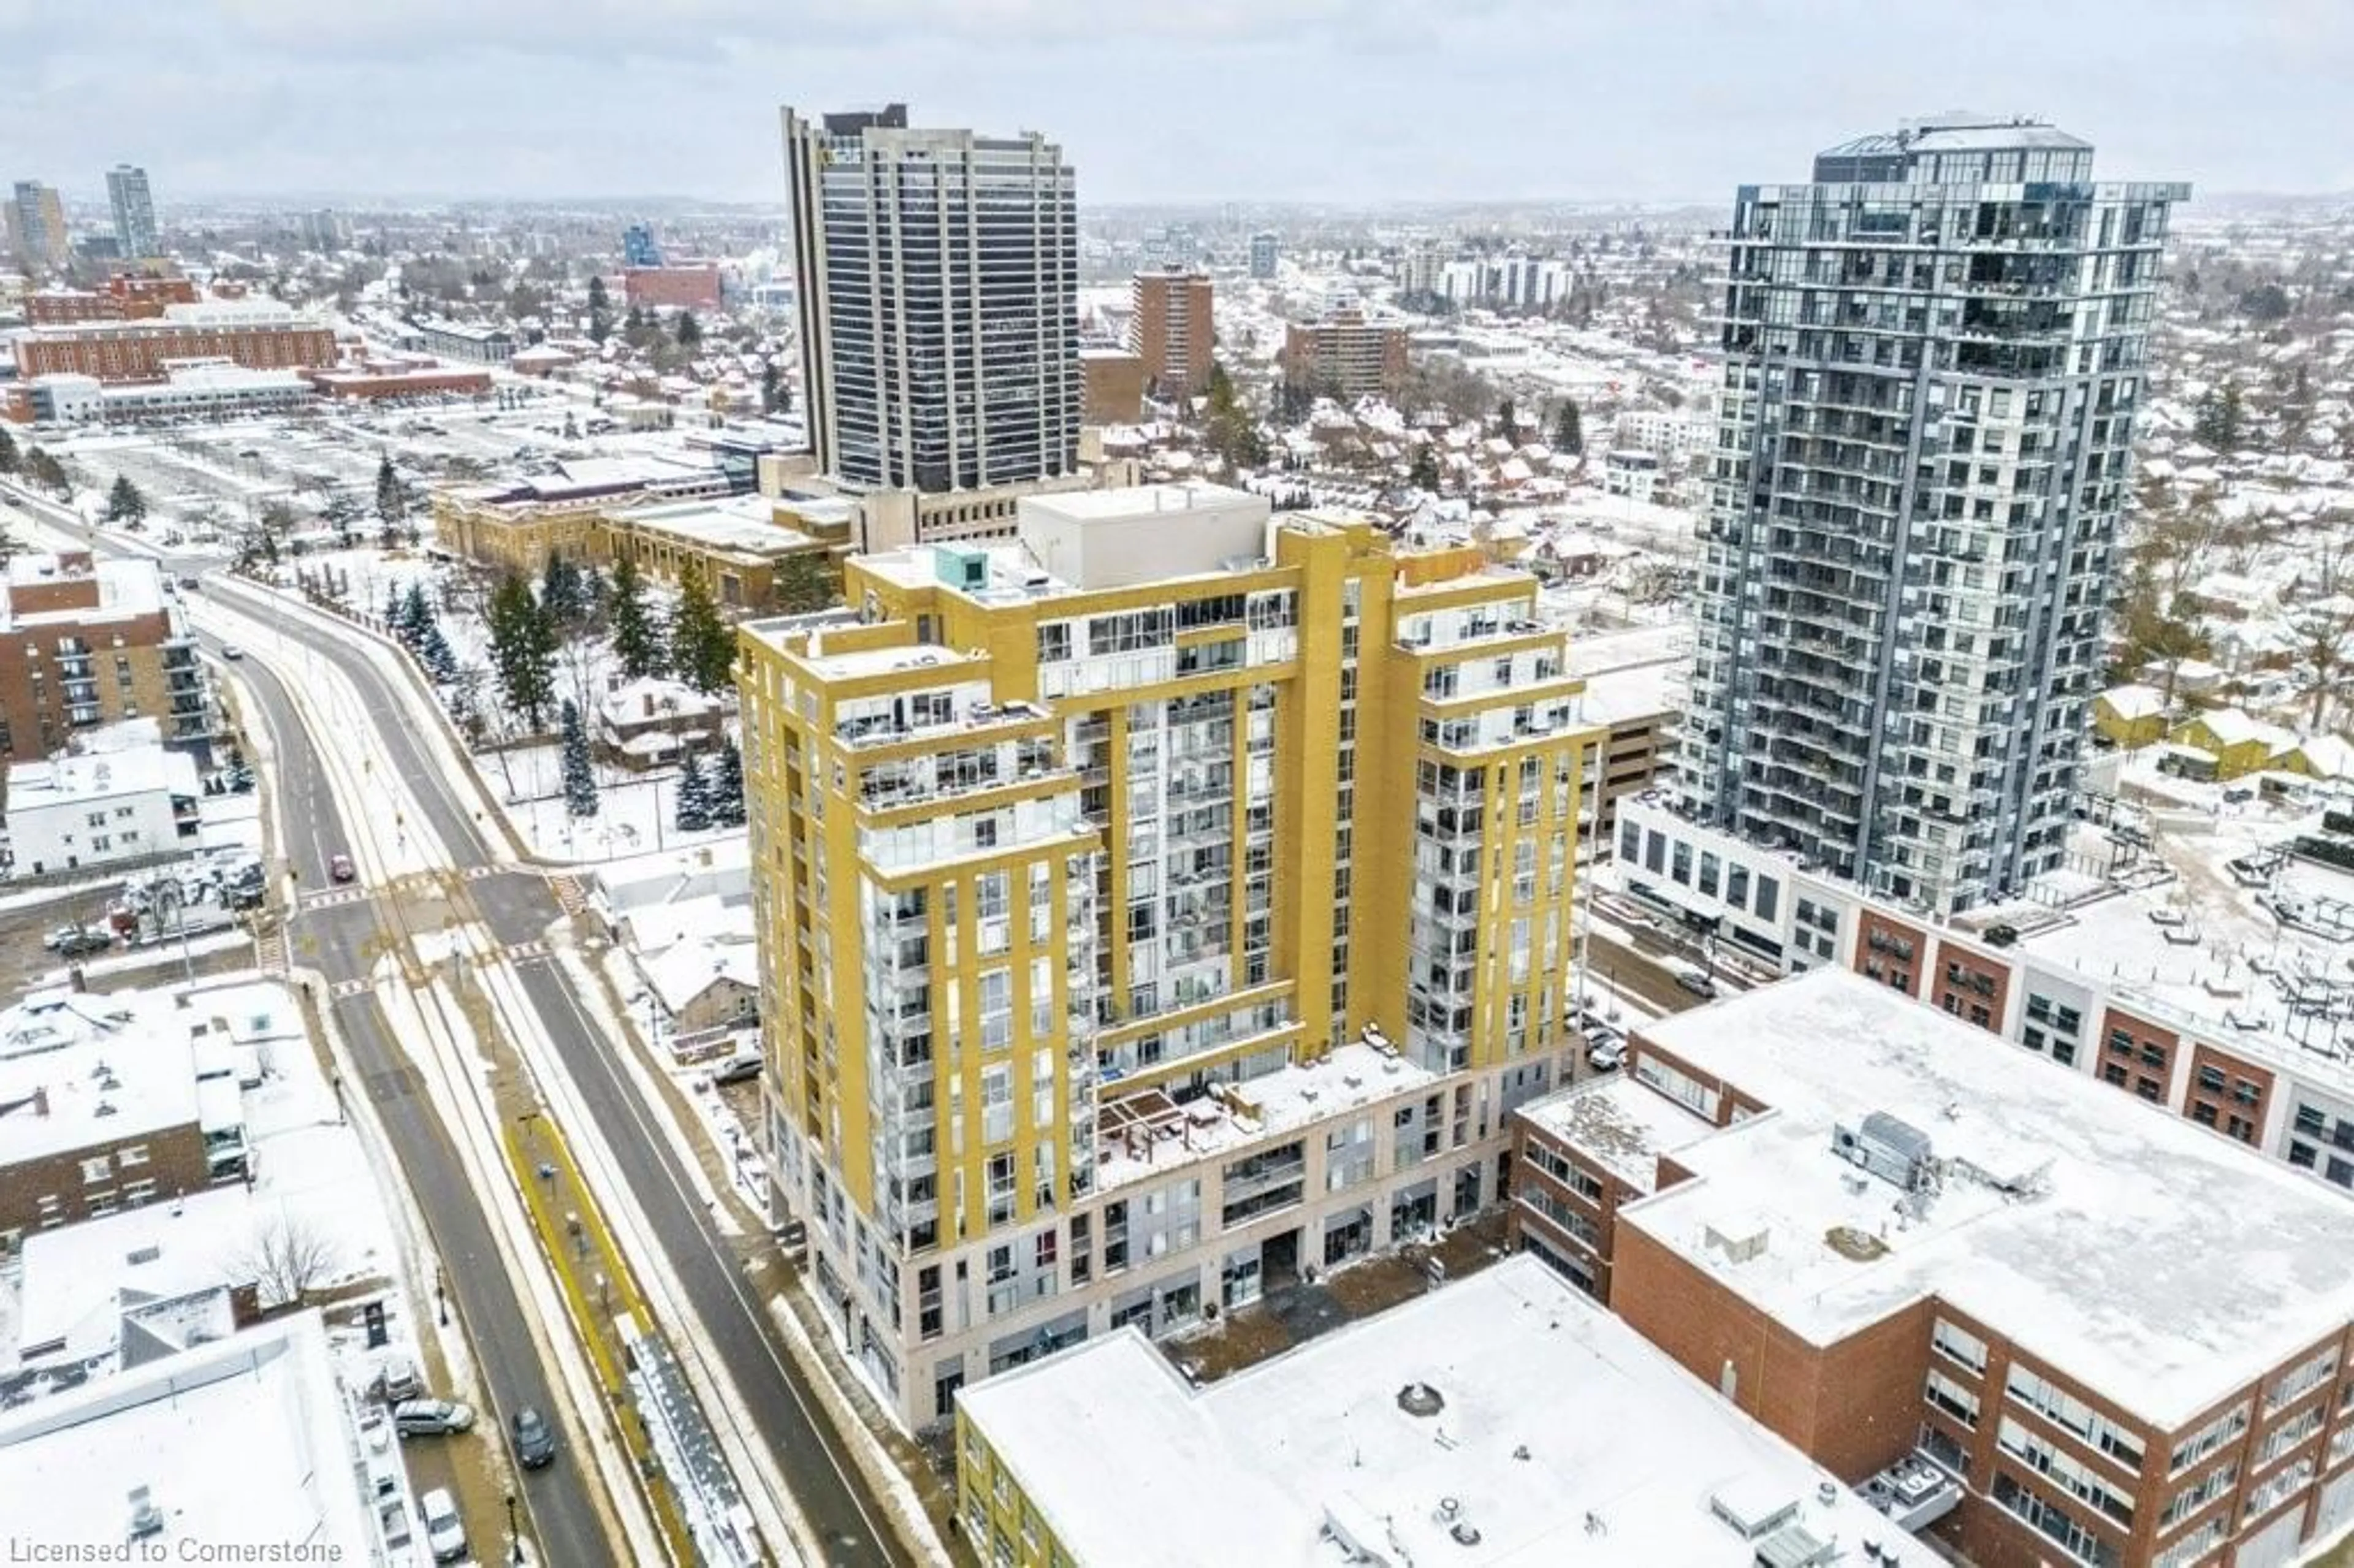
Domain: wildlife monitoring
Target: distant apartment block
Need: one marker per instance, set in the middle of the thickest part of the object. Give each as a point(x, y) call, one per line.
point(1346, 354)
point(1111, 382)
point(1265, 246)
point(639, 247)
point(2006, 1303)
point(255, 334)
point(70, 813)
point(939, 293)
point(85, 641)
point(1171, 329)
point(127, 296)
point(37, 229)
point(133, 207)
point(1198, 886)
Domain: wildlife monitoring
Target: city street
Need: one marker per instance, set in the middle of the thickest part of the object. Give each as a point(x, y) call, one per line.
point(519, 907)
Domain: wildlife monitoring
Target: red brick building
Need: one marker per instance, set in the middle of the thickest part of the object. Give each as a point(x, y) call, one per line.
point(2033, 1314)
point(257, 336)
point(1111, 386)
point(128, 296)
point(1173, 330)
point(84, 642)
point(372, 381)
point(690, 286)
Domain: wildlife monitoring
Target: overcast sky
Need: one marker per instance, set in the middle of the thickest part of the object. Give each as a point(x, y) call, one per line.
point(1345, 101)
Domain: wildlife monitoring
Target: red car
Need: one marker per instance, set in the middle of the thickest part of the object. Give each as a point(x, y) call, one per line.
point(341, 868)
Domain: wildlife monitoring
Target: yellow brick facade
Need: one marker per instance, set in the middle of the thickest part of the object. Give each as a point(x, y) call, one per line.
point(1167, 836)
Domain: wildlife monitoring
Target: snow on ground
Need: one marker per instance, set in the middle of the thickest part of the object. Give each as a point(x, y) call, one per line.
point(636, 812)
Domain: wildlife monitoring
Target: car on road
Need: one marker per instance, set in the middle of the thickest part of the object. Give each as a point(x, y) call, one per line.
point(231, 650)
point(445, 1532)
point(82, 941)
point(1694, 979)
point(535, 1439)
point(432, 1417)
point(340, 868)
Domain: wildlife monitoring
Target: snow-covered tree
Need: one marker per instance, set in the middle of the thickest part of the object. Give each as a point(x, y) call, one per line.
point(693, 796)
point(579, 773)
point(726, 786)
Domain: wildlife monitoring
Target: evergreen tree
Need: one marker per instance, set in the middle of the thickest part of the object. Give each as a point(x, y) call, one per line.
point(1508, 422)
point(11, 461)
point(433, 650)
point(523, 650)
point(1425, 473)
point(579, 774)
point(1569, 428)
point(416, 619)
point(559, 592)
point(47, 471)
point(693, 796)
point(805, 582)
point(392, 603)
point(342, 514)
point(689, 331)
point(726, 786)
point(600, 312)
point(702, 643)
point(391, 499)
point(636, 642)
point(123, 503)
point(768, 387)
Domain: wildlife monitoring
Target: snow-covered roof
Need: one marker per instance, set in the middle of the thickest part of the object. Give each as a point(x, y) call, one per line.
point(2328, 756)
point(243, 1443)
point(99, 1083)
point(2158, 1264)
point(2235, 726)
point(79, 1279)
point(1270, 1465)
point(684, 970)
point(654, 697)
point(101, 776)
point(1622, 1124)
point(2134, 702)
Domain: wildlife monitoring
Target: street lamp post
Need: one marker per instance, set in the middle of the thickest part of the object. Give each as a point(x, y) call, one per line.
point(514, 1533)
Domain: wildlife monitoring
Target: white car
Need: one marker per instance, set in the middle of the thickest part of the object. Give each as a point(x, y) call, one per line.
point(1694, 979)
point(445, 1532)
point(1607, 1055)
point(231, 650)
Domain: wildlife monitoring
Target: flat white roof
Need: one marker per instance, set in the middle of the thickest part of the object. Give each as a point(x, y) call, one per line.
point(742, 523)
point(126, 586)
point(1623, 1125)
point(248, 1441)
point(2150, 1259)
point(101, 776)
point(94, 1087)
point(79, 1279)
point(1561, 1436)
point(1131, 501)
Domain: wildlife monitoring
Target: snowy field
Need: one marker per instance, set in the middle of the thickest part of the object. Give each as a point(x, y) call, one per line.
point(635, 811)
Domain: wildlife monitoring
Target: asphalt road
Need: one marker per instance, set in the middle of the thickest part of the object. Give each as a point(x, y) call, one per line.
point(731, 1323)
point(338, 941)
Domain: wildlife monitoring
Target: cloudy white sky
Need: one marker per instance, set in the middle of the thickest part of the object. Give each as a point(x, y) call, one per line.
point(1347, 101)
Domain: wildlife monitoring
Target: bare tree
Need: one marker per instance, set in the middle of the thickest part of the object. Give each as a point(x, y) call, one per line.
point(287, 1259)
point(2325, 640)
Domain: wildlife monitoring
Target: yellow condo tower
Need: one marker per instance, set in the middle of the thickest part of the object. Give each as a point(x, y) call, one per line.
point(1163, 904)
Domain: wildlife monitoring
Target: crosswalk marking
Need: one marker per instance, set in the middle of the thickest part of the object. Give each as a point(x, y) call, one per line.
point(568, 894)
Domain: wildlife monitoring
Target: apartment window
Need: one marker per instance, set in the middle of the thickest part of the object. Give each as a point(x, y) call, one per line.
point(2198, 1495)
point(131, 1155)
point(1678, 1086)
point(1736, 886)
point(1682, 864)
point(2054, 1524)
point(1770, 896)
point(93, 1172)
point(2195, 1545)
point(2300, 1380)
point(1951, 1397)
point(1959, 1345)
point(2063, 1409)
point(2223, 1429)
point(2077, 1478)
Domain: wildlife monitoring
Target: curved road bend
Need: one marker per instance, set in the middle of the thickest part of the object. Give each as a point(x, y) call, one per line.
point(731, 1321)
point(340, 941)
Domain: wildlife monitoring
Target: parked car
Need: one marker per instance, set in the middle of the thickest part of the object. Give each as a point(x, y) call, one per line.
point(82, 941)
point(535, 1439)
point(432, 1417)
point(56, 937)
point(340, 868)
point(445, 1532)
point(1609, 1056)
point(738, 1069)
point(397, 1381)
point(1694, 979)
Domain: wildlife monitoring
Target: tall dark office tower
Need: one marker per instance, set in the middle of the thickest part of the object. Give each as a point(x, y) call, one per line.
point(134, 212)
point(1934, 356)
point(938, 288)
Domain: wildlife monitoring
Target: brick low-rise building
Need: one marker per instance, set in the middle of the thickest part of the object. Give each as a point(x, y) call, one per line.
point(680, 285)
point(84, 642)
point(2051, 1322)
point(1346, 354)
point(2133, 986)
point(127, 296)
point(256, 334)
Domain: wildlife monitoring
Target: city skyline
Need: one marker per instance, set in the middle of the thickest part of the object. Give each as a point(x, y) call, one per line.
point(682, 99)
